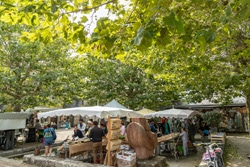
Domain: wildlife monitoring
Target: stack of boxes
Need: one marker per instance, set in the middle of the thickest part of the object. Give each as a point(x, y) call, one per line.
point(126, 157)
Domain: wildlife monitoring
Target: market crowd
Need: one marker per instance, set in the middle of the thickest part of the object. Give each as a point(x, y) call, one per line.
point(187, 129)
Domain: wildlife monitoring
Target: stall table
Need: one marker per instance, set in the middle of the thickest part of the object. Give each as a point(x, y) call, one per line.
point(170, 138)
point(78, 148)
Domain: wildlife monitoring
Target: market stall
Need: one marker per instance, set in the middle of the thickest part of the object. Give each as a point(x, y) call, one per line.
point(169, 142)
point(173, 113)
point(145, 111)
point(93, 112)
point(80, 147)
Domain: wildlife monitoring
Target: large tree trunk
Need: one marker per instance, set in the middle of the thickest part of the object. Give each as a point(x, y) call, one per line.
point(248, 113)
point(17, 108)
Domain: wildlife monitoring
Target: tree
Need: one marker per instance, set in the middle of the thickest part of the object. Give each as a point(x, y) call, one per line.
point(111, 79)
point(30, 72)
point(200, 47)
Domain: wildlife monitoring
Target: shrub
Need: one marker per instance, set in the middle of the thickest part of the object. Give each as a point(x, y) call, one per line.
point(212, 118)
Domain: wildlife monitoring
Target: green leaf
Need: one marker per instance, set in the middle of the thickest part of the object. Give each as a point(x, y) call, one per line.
point(244, 13)
point(84, 19)
point(245, 2)
point(137, 40)
point(228, 10)
point(174, 22)
point(53, 6)
point(35, 19)
point(210, 36)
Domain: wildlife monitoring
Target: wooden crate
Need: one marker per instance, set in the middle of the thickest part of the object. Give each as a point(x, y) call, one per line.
point(218, 137)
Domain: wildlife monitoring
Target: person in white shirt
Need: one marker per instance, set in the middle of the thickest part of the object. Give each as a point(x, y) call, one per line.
point(81, 126)
point(122, 129)
point(184, 138)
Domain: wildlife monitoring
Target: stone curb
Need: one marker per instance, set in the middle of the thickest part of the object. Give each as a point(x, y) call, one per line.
point(43, 161)
point(25, 149)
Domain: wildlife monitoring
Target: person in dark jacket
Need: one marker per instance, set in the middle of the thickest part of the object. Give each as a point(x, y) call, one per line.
point(152, 126)
point(191, 131)
point(77, 133)
point(166, 127)
point(96, 135)
point(104, 128)
point(204, 131)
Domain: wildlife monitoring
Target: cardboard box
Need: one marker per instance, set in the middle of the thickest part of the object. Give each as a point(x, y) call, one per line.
point(124, 147)
point(126, 159)
point(128, 156)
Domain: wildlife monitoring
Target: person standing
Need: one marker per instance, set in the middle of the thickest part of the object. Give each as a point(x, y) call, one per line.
point(166, 127)
point(81, 126)
point(191, 131)
point(39, 131)
point(184, 138)
point(90, 126)
point(123, 129)
point(38, 126)
point(162, 125)
point(96, 135)
point(49, 136)
point(152, 126)
point(103, 126)
point(175, 125)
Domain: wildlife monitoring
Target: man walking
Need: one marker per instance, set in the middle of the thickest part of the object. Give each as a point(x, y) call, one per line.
point(96, 135)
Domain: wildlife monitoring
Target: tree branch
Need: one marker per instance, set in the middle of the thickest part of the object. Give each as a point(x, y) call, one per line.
point(86, 8)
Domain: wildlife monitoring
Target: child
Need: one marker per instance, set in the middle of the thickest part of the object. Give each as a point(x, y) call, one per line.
point(184, 141)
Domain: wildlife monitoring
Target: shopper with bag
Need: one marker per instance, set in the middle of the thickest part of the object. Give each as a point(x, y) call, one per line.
point(49, 135)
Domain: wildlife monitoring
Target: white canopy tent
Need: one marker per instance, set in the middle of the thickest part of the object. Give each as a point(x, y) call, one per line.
point(145, 111)
point(173, 112)
point(91, 112)
point(40, 109)
point(13, 120)
point(116, 104)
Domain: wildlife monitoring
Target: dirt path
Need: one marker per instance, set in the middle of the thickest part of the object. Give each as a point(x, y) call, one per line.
point(238, 147)
point(192, 160)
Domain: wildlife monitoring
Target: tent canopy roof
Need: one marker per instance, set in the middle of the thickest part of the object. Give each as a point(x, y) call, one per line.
point(91, 112)
point(115, 104)
point(173, 112)
point(40, 109)
point(145, 111)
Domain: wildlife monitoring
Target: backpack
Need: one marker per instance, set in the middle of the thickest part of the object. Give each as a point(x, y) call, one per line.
point(50, 134)
point(206, 132)
point(53, 134)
